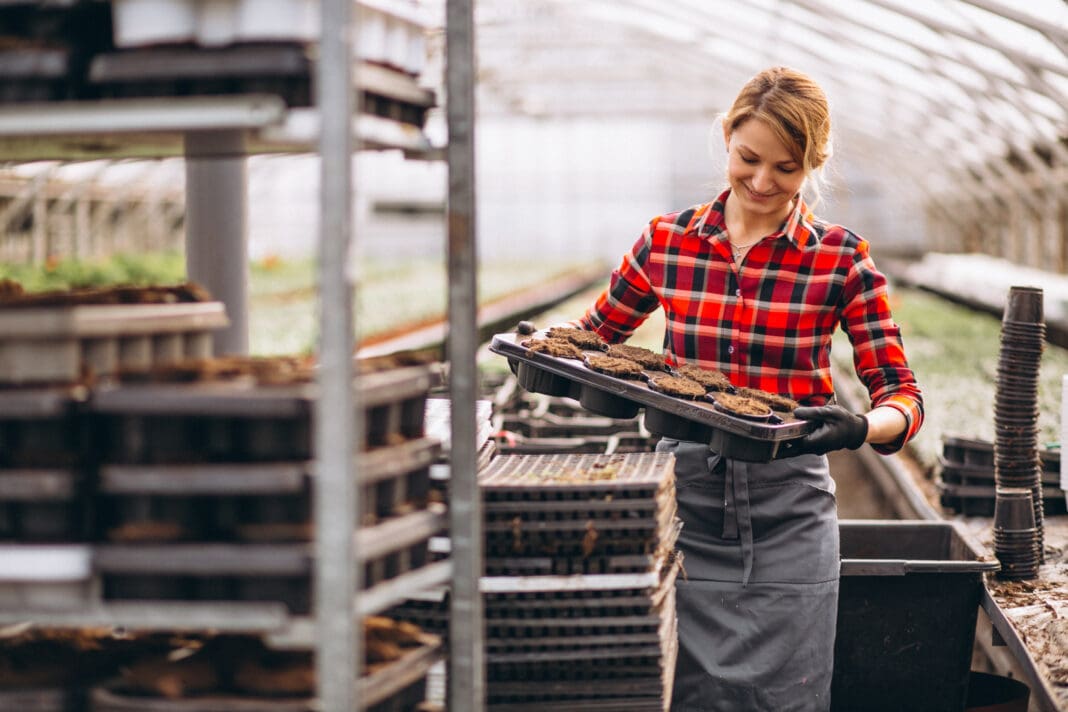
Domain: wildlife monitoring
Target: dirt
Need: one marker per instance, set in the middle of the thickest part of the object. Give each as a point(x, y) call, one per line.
point(711, 380)
point(588, 340)
point(618, 367)
point(560, 348)
point(264, 370)
point(677, 386)
point(12, 295)
point(648, 359)
point(742, 405)
point(773, 400)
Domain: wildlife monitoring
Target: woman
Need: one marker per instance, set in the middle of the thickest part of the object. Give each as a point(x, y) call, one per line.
point(753, 285)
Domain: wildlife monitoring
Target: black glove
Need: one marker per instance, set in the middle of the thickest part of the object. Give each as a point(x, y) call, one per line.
point(836, 428)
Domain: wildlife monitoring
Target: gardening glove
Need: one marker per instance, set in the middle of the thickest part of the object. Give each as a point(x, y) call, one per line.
point(836, 428)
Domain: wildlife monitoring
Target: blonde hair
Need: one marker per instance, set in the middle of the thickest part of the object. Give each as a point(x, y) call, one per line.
point(795, 108)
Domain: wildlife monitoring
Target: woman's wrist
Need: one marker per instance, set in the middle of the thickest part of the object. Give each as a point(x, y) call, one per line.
point(885, 424)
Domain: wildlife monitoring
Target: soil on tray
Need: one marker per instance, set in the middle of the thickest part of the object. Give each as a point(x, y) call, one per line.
point(743, 405)
point(677, 386)
point(711, 380)
point(12, 295)
point(559, 348)
point(648, 359)
point(264, 370)
point(588, 340)
point(774, 400)
point(618, 367)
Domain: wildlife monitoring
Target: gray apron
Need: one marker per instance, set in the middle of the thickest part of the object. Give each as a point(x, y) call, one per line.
point(758, 603)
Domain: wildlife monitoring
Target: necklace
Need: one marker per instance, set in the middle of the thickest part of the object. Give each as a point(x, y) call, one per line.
point(737, 250)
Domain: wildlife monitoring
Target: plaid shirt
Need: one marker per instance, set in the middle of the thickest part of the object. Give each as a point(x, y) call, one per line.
point(766, 323)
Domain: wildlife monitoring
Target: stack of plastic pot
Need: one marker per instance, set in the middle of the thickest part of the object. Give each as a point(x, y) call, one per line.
point(1015, 533)
point(1016, 461)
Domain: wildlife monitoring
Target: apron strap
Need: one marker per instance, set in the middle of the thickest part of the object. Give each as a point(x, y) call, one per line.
point(737, 520)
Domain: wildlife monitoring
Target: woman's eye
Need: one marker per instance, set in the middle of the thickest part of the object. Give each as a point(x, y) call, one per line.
point(788, 170)
point(750, 161)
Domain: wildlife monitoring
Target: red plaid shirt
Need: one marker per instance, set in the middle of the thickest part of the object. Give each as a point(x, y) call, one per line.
point(767, 322)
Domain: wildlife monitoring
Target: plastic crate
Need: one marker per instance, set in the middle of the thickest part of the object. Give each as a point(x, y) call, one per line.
point(907, 611)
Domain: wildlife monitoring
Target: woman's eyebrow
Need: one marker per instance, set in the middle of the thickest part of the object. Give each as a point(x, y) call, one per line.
point(788, 161)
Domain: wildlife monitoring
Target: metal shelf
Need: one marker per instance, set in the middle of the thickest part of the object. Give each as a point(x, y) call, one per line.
point(215, 134)
point(157, 128)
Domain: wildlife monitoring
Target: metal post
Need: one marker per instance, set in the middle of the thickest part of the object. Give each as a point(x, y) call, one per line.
point(337, 420)
point(216, 227)
point(466, 631)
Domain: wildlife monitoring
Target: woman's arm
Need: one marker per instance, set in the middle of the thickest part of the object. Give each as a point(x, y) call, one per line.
point(885, 424)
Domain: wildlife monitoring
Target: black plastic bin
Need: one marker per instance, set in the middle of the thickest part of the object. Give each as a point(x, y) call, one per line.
point(907, 611)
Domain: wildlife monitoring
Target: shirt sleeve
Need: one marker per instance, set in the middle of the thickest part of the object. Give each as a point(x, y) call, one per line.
point(878, 352)
point(629, 297)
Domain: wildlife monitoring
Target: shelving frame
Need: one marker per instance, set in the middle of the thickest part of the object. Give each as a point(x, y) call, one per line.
point(215, 135)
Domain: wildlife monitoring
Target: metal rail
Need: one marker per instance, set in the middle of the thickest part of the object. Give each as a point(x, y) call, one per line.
point(338, 648)
point(466, 635)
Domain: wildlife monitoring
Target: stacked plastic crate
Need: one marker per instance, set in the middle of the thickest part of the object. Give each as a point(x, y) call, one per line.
point(205, 495)
point(146, 485)
point(579, 591)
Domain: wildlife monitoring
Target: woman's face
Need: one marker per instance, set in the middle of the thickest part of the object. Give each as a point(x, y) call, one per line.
point(763, 176)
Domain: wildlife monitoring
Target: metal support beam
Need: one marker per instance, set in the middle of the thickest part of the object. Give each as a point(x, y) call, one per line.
point(466, 680)
point(216, 227)
point(338, 419)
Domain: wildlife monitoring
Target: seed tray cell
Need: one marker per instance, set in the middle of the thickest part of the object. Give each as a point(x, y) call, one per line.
point(42, 505)
point(730, 435)
point(57, 441)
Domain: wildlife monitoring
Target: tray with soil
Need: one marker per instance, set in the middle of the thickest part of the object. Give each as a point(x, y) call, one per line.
point(241, 674)
point(73, 336)
point(243, 421)
point(395, 553)
point(698, 420)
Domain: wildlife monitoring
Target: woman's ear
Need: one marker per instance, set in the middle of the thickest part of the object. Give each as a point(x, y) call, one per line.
point(727, 138)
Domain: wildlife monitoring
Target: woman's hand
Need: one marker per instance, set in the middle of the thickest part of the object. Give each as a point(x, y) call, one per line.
point(836, 428)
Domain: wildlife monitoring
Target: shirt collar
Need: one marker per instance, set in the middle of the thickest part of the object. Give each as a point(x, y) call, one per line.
point(708, 221)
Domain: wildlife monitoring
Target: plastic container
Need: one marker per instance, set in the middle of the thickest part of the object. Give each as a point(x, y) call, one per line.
point(907, 610)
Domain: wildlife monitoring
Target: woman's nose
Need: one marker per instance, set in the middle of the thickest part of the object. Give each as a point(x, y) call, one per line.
point(762, 179)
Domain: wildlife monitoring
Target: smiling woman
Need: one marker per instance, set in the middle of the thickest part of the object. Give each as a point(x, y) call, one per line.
point(754, 286)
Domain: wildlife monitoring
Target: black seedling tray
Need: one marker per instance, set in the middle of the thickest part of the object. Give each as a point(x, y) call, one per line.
point(695, 420)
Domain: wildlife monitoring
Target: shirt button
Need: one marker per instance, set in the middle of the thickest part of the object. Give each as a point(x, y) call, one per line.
point(730, 349)
point(738, 292)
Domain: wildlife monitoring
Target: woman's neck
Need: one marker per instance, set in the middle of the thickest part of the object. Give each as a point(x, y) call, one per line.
point(747, 225)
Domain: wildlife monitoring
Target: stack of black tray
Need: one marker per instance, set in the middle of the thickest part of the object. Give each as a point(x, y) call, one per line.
point(579, 591)
point(967, 477)
point(204, 489)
